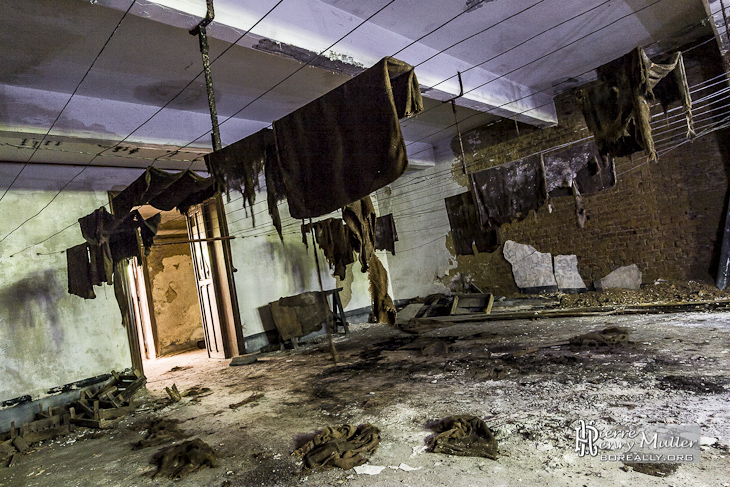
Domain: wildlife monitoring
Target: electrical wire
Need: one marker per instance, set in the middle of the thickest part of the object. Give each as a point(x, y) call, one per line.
point(362, 24)
point(78, 85)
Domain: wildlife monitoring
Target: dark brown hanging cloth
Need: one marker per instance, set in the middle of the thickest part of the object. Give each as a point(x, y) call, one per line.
point(95, 229)
point(385, 233)
point(238, 166)
point(360, 220)
point(508, 192)
point(275, 189)
point(333, 238)
point(79, 271)
point(465, 227)
point(347, 143)
point(581, 163)
point(616, 108)
point(165, 191)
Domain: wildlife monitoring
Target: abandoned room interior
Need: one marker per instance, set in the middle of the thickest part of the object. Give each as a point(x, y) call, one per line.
point(367, 243)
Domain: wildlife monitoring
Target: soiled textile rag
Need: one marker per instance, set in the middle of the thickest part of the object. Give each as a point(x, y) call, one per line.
point(464, 435)
point(617, 109)
point(111, 240)
point(344, 446)
point(465, 227)
point(581, 163)
point(238, 166)
point(347, 143)
point(165, 191)
point(360, 220)
point(333, 238)
point(79, 271)
point(385, 233)
point(383, 307)
point(508, 192)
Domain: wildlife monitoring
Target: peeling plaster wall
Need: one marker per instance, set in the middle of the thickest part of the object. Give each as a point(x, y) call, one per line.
point(49, 338)
point(268, 269)
point(175, 298)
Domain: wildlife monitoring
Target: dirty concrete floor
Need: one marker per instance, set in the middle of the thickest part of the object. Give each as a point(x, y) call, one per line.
point(676, 369)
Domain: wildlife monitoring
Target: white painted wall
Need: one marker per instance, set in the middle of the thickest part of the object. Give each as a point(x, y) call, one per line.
point(417, 203)
point(48, 337)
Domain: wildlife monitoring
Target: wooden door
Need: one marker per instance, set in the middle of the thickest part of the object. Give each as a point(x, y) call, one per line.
point(204, 275)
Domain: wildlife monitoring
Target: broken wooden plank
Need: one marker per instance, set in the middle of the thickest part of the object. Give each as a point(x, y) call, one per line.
point(490, 304)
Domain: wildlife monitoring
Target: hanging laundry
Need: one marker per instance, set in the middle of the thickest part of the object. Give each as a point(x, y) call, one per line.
point(275, 189)
point(581, 163)
point(165, 191)
point(465, 227)
point(616, 109)
point(360, 220)
point(508, 192)
point(95, 230)
point(238, 166)
point(347, 143)
point(385, 233)
point(79, 271)
point(333, 238)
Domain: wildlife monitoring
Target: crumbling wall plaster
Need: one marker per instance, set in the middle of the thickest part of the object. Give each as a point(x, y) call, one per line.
point(175, 298)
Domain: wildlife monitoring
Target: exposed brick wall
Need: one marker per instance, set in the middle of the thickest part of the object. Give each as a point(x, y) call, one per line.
point(664, 216)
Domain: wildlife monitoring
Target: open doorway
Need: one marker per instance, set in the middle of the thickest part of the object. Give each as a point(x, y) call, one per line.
point(181, 296)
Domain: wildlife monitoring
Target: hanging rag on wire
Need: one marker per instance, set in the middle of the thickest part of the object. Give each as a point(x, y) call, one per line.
point(465, 227)
point(333, 238)
point(508, 192)
point(385, 233)
point(579, 163)
point(165, 191)
point(238, 166)
point(109, 241)
point(347, 143)
point(616, 109)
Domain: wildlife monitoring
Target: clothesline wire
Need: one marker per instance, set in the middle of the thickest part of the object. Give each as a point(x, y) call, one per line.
point(715, 126)
point(88, 164)
point(78, 85)
point(293, 73)
point(698, 110)
point(297, 222)
point(182, 147)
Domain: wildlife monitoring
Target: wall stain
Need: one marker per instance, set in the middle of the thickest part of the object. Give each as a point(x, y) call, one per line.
point(33, 302)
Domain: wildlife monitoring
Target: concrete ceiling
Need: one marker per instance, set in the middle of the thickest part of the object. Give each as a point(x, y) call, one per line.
point(515, 53)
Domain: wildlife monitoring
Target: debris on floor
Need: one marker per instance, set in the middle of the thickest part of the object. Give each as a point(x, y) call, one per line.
point(252, 398)
point(173, 393)
point(160, 431)
point(344, 446)
point(607, 337)
point(108, 405)
point(464, 435)
point(655, 469)
point(178, 461)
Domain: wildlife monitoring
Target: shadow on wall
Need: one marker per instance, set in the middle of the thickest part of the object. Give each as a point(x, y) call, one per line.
point(33, 302)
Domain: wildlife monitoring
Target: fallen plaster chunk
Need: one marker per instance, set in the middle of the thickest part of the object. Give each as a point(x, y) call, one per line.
point(566, 274)
point(532, 270)
point(406, 468)
point(626, 277)
point(369, 469)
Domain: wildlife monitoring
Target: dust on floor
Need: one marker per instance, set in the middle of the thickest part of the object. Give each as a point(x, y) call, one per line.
point(522, 377)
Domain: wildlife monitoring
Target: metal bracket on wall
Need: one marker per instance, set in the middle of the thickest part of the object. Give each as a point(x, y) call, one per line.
point(456, 120)
point(200, 31)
